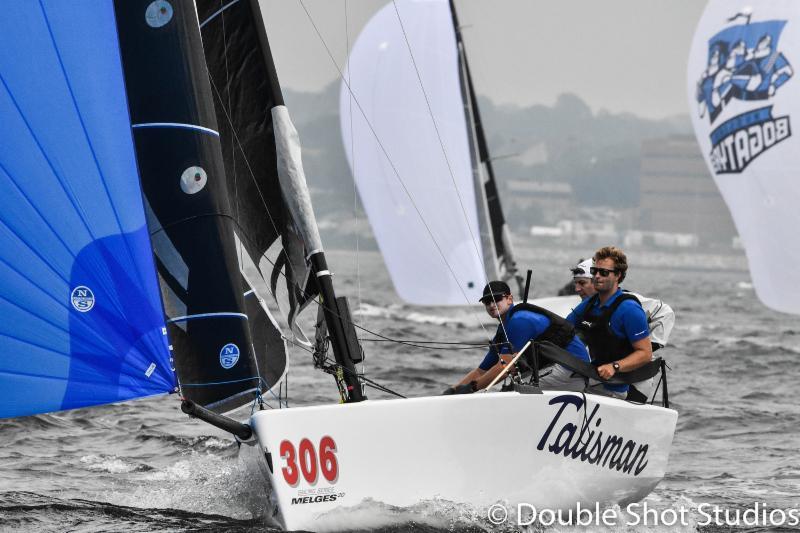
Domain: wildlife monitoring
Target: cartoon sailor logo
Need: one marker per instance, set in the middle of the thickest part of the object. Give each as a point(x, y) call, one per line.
point(82, 298)
point(228, 356)
point(744, 65)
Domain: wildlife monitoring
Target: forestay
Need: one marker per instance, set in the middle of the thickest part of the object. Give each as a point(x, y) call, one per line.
point(82, 322)
point(743, 98)
point(412, 162)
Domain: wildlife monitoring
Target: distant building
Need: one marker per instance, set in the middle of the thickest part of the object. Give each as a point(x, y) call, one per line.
point(542, 201)
point(578, 232)
point(678, 194)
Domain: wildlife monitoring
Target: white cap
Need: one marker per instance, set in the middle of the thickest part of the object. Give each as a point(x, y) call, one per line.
point(581, 270)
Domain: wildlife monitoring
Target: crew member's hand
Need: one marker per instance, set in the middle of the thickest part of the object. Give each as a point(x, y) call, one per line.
point(606, 371)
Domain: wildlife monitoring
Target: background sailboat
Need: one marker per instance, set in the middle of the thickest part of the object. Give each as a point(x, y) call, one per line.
point(415, 142)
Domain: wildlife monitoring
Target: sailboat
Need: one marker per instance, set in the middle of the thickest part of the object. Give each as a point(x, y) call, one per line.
point(151, 184)
point(415, 141)
point(413, 136)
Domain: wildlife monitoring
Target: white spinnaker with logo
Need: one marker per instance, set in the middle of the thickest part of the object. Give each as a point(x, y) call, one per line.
point(744, 100)
point(428, 234)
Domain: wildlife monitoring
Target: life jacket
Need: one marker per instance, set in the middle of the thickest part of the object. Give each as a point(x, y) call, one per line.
point(595, 331)
point(560, 331)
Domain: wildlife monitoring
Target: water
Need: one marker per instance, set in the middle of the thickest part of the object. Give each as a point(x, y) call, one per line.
point(144, 466)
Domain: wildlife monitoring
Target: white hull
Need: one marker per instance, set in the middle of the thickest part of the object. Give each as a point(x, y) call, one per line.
point(474, 449)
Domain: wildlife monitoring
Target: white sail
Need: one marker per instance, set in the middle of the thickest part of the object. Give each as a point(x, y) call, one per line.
point(425, 221)
point(743, 98)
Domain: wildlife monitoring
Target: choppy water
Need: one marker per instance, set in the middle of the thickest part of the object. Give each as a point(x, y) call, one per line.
point(144, 466)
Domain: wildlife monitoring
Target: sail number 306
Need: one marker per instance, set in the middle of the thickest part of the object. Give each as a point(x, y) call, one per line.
point(304, 460)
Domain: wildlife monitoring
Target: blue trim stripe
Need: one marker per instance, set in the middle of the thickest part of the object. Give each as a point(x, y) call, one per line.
point(176, 125)
point(206, 315)
point(217, 12)
point(221, 382)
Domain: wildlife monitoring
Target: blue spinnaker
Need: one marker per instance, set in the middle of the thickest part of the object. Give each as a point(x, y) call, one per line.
point(81, 321)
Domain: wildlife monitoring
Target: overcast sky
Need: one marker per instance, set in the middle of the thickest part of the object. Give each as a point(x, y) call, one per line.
point(618, 55)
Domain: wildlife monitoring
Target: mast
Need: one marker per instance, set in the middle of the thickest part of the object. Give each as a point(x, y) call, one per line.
point(496, 239)
point(297, 197)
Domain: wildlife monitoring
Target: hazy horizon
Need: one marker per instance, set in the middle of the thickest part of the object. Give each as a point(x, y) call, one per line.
point(621, 56)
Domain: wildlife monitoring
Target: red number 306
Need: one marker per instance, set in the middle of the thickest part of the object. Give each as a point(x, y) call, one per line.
point(304, 460)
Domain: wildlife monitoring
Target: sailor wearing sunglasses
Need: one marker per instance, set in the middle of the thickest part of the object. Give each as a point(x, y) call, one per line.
point(612, 323)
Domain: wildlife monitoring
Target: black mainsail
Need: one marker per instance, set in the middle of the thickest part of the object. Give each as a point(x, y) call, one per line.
point(266, 182)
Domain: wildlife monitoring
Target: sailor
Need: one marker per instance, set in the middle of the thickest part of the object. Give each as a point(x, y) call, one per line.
point(612, 323)
point(660, 320)
point(518, 324)
point(582, 279)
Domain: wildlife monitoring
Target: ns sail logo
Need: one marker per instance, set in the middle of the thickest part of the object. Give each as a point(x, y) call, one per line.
point(745, 67)
point(228, 356)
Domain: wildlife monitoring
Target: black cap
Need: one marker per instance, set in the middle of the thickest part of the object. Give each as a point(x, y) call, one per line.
point(495, 290)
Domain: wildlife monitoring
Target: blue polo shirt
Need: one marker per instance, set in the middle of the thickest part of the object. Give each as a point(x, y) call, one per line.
point(524, 326)
point(629, 321)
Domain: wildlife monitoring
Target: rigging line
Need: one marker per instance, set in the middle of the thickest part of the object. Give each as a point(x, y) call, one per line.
point(375, 384)
point(382, 389)
point(424, 347)
point(441, 144)
point(221, 12)
point(266, 386)
point(212, 383)
point(436, 129)
point(335, 312)
point(272, 221)
point(475, 343)
point(457, 345)
point(312, 297)
point(217, 12)
point(383, 337)
point(389, 160)
point(353, 163)
point(235, 135)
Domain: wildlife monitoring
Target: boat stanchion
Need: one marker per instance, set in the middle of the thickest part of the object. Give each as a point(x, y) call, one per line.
point(527, 285)
point(240, 430)
point(535, 358)
point(664, 391)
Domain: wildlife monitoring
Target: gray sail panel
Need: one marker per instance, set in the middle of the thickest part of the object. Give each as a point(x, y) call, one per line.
point(293, 180)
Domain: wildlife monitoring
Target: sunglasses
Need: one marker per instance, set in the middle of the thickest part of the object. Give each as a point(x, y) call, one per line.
point(486, 300)
point(602, 271)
